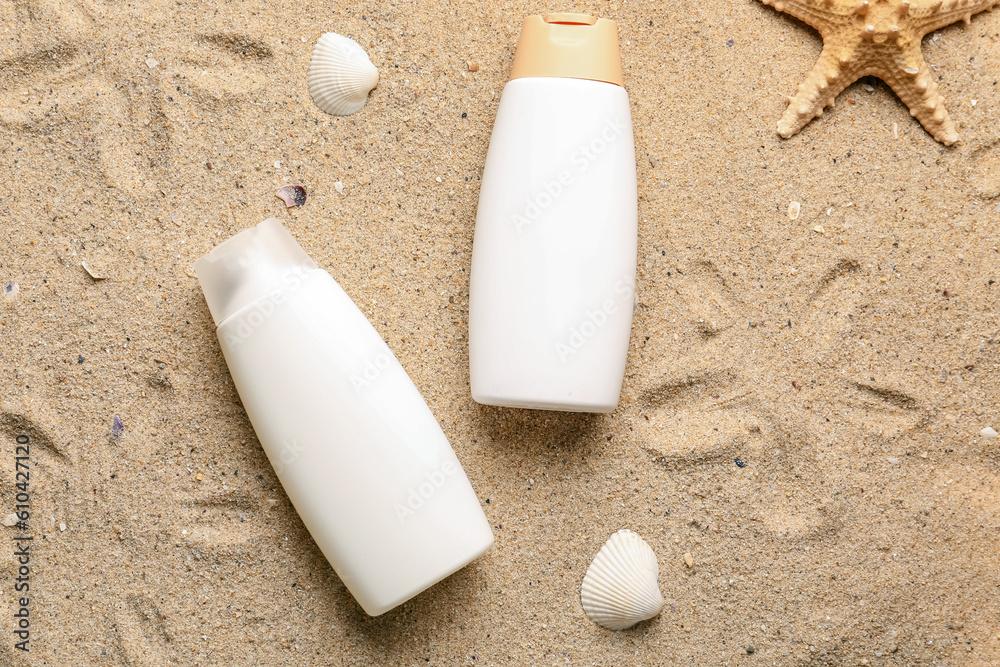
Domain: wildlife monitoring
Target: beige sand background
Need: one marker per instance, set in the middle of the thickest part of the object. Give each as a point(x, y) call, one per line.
point(852, 370)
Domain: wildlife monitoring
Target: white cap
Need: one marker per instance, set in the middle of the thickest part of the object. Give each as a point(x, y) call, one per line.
point(246, 267)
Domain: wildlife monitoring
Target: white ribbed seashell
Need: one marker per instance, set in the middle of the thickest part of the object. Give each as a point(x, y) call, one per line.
point(340, 75)
point(620, 587)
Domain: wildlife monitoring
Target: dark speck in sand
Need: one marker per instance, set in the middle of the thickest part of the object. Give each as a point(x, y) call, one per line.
point(730, 42)
point(117, 427)
point(79, 358)
point(740, 463)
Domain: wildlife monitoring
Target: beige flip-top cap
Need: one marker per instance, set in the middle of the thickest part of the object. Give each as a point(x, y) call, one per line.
point(573, 46)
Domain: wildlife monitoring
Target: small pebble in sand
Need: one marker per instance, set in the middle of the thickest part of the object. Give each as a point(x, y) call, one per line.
point(292, 195)
point(10, 292)
point(198, 477)
point(152, 63)
point(751, 650)
point(472, 65)
point(793, 210)
point(339, 187)
point(117, 426)
point(91, 272)
point(10, 520)
point(893, 460)
point(62, 526)
point(988, 432)
point(975, 102)
point(819, 229)
point(688, 560)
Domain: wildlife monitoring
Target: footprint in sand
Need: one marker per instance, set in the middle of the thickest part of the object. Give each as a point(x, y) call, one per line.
point(783, 395)
point(203, 528)
point(64, 79)
point(140, 634)
point(984, 170)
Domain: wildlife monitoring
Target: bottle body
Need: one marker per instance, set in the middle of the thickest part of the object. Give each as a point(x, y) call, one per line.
point(356, 448)
point(554, 256)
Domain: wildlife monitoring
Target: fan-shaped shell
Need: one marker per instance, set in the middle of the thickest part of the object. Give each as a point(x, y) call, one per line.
point(621, 585)
point(340, 75)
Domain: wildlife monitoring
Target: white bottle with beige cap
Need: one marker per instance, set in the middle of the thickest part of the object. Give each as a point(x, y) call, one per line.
point(357, 450)
point(554, 255)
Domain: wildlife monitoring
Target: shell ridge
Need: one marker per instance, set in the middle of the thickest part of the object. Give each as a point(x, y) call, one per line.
point(620, 588)
point(340, 75)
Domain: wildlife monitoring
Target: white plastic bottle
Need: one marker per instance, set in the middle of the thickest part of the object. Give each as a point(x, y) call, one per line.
point(554, 256)
point(356, 448)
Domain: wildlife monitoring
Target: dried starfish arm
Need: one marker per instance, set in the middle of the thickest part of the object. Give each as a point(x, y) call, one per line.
point(817, 13)
point(826, 80)
point(911, 80)
point(930, 15)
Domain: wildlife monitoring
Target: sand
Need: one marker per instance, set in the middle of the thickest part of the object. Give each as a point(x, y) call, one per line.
point(850, 369)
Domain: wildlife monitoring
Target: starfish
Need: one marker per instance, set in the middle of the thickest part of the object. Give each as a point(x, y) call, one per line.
point(879, 38)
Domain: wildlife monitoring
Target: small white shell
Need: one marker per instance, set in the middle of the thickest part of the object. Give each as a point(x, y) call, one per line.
point(340, 75)
point(793, 210)
point(620, 587)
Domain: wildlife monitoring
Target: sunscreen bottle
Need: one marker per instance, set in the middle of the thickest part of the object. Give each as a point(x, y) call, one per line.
point(356, 448)
point(554, 256)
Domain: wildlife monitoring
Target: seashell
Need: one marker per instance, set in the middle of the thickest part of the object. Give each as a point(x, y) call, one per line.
point(292, 195)
point(91, 272)
point(340, 75)
point(620, 587)
point(793, 210)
